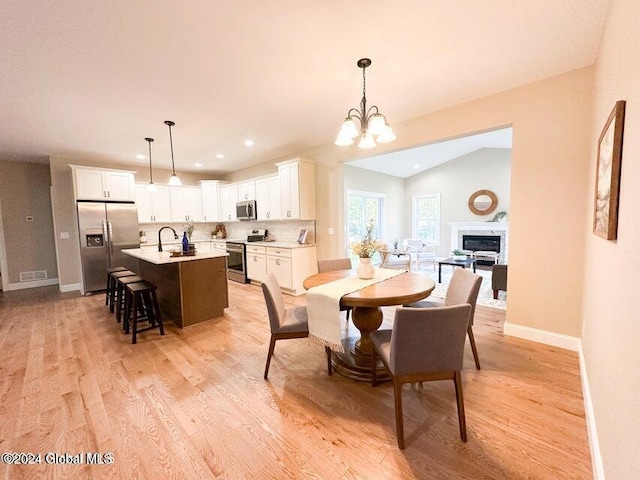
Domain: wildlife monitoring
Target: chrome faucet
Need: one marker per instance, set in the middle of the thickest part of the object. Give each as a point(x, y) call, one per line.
point(175, 235)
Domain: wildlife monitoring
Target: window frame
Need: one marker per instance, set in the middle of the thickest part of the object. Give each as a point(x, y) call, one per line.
point(414, 219)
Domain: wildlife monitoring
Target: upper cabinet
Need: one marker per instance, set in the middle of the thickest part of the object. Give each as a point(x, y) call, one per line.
point(211, 208)
point(228, 200)
point(102, 184)
point(153, 206)
point(186, 204)
point(268, 199)
point(246, 191)
point(297, 189)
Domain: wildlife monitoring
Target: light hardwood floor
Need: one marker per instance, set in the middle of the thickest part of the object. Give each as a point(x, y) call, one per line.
point(193, 404)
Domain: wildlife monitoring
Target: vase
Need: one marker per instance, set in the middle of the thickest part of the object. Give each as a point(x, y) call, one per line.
point(365, 270)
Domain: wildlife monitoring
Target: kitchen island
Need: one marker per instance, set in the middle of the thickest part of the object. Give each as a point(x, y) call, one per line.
point(191, 289)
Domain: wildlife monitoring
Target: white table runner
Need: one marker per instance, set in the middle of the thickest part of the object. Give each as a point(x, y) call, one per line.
point(323, 306)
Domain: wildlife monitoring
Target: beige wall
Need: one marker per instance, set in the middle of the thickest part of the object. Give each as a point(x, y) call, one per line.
point(549, 178)
point(392, 187)
point(456, 181)
point(24, 190)
point(611, 306)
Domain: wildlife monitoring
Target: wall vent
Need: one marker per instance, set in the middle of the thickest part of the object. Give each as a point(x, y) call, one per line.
point(33, 276)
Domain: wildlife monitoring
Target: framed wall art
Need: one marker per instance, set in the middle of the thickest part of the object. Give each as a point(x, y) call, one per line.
point(607, 194)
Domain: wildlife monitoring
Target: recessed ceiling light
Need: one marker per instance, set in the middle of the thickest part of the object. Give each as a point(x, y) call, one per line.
point(248, 143)
point(416, 166)
point(140, 156)
point(198, 164)
point(220, 156)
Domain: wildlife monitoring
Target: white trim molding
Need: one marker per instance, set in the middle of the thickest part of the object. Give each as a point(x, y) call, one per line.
point(594, 444)
point(71, 287)
point(542, 336)
point(35, 284)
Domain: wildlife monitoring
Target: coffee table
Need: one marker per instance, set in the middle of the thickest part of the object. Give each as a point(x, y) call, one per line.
point(469, 262)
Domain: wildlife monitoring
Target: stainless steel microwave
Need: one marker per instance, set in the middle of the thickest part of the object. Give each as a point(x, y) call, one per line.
point(246, 210)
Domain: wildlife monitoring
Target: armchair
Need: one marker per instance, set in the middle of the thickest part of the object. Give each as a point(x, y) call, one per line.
point(421, 251)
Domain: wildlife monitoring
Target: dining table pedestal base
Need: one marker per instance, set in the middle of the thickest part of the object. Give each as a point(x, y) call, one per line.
point(355, 362)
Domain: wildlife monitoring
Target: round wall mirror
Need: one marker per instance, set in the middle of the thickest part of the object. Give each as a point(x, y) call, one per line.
point(483, 202)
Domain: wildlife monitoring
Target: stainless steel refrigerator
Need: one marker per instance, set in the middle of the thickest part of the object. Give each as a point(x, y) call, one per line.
point(105, 229)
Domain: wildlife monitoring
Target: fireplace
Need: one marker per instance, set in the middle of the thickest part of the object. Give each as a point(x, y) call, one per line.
point(485, 243)
point(491, 229)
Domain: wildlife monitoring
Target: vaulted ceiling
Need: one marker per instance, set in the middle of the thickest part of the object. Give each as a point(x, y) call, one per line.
point(93, 79)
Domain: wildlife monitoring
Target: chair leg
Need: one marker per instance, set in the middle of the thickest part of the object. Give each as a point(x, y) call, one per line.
point(272, 346)
point(457, 380)
point(156, 308)
point(495, 294)
point(397, 395)
point(472, 340)
point(134, 322)
point(329, 368)
point(348, 315)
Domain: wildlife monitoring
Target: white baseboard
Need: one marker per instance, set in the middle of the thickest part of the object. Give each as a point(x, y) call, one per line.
point(35, 284)
point(70, 287)
point(594, 444)
point(542, 336)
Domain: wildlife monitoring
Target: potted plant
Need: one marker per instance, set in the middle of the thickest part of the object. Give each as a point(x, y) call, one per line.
point(365, 249)
point(458, 255)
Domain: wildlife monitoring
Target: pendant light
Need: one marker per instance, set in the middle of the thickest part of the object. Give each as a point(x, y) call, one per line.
point(174, 180)
point(151, 187)
point(372, 122)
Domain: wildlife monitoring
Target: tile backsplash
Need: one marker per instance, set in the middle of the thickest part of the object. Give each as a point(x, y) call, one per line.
point(283, 231)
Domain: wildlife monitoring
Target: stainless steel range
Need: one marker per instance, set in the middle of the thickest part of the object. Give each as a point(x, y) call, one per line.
point(236, 261)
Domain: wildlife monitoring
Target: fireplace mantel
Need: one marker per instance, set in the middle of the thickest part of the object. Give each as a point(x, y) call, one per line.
point(458, 229)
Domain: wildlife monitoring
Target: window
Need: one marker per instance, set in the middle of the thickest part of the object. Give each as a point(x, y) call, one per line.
point(362, 206)
point(426, 218)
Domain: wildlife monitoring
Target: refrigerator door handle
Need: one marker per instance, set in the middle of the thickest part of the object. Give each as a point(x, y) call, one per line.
point(104, 231)
point(110, 238)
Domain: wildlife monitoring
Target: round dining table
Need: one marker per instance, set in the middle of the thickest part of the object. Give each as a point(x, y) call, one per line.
point(402, 289)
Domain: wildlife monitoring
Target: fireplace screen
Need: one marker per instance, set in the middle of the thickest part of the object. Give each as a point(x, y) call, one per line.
point(487, 243)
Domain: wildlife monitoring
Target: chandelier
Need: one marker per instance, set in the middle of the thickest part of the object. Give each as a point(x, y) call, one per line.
point(372, 122)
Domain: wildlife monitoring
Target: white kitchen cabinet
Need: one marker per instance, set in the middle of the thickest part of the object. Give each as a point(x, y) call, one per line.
point(186, 204)
point(256, 263)
point(268, 198)
point(103, 184)
point(246, 191)
point(211, 208)
point(228, 200)
point(291, 266)
point(297, 189)
point(153, 206)
point(219, 245)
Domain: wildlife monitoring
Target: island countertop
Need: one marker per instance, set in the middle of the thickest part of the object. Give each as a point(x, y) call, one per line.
point(162, 258)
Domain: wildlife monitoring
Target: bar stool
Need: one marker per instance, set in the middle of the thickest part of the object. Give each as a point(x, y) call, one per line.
point(120, 295)
point(109, 272)
point(141, 293)
point(113, 281)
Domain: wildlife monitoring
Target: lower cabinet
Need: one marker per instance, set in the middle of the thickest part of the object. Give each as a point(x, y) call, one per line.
point(256, 263)
point(289, 265)
point(279, 263)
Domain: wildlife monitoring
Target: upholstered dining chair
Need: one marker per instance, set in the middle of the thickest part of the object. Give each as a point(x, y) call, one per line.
point(463, 288)
point(336, 264)
point(285, 323)
point(425, 344)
